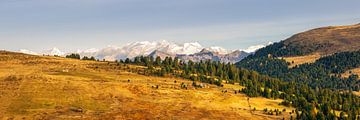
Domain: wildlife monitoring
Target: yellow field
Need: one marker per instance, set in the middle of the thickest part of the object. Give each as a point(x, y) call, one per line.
point(37, 87)
point(298, 60)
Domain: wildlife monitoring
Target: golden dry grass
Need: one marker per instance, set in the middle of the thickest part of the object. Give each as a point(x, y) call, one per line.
point(298, 60)
point(355, 71)
point(37, 87)
point(356, 93)
point(326, 40)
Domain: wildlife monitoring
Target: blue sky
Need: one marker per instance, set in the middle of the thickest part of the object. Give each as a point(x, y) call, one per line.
point(232, 24)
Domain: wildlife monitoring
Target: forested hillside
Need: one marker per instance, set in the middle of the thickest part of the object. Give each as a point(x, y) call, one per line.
point(324, 73)
point(337, 45)
point(312, 102)
point(325, 41)
point(339, 50)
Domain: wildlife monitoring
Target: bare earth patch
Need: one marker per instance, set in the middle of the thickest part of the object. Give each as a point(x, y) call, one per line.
point(355, 71)
point(298, 60)
point(356, 93)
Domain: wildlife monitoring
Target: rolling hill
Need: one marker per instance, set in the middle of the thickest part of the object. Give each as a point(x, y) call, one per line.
point(44, 87)
point(316, 57)
point(325, 58)
point(325, 40)
point(313, 44)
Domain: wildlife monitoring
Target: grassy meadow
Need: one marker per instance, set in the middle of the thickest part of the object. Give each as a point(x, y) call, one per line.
point(45, 87)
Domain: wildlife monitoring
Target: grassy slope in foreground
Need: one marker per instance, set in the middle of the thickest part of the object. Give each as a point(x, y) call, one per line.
point(36, 87)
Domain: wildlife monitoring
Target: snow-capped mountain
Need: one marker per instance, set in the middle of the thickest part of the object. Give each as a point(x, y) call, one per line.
point(186, 51)
point(134, 49)
point(206, 54)
point(218, 50)
point(253, 49)
point(28, 52)
point(161, 54)
point(157, 48)
point(53, 51)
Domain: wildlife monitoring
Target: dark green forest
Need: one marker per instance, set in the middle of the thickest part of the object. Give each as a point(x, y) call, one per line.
point(324, 73)
point(318, 85)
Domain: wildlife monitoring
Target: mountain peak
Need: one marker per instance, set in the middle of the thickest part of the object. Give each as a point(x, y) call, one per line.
point(254, 48)
point(218, 50)
point(193, 44)
point(161, 54)
point(205, 51)
point(54, 51)
point(25, 51)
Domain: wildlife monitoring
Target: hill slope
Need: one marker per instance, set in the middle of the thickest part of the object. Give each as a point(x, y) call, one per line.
point(37, 87)
point(324, 41)
point(316, 57)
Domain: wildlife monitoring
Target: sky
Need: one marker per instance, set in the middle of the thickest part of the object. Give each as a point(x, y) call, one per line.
point(233, 24)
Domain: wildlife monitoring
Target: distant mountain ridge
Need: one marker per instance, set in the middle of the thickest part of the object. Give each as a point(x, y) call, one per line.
point(205, 54)
point(52, 51)
point(185, 51)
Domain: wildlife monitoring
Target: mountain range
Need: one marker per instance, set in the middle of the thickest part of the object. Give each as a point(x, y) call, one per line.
point(186, 51)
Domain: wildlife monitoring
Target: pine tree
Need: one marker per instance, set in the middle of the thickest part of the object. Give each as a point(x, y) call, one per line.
point(127, 60)
point(73, 55)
